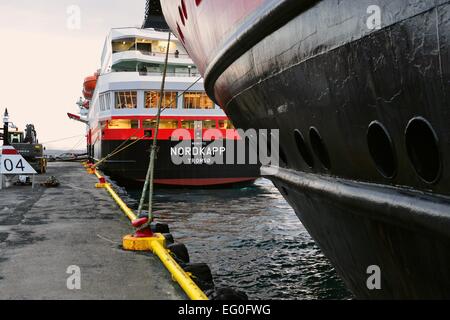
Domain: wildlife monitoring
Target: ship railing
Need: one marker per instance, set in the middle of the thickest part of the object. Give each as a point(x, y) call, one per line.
point(158, 54)
point(192, 74)
point(170, 74)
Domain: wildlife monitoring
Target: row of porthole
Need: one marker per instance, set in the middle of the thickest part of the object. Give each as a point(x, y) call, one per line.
point(421, 143)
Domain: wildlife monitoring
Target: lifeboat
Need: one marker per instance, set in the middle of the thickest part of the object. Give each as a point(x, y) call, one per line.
point(89, 86)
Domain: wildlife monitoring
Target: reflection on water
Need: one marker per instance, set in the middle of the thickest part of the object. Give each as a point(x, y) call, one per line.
point(251, 239)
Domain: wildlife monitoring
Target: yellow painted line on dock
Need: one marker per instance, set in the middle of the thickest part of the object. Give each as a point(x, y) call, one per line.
point(157, 246)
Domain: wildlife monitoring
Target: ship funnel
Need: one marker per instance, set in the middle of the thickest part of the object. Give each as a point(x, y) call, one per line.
point(154, 16)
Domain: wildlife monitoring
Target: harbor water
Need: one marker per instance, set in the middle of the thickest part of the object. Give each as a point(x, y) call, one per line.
point(251, 239)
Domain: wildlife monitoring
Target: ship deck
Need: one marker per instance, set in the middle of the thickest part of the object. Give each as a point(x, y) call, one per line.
point(46, 231)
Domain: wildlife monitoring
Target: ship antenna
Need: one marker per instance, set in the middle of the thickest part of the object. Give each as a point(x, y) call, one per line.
point(149, 180)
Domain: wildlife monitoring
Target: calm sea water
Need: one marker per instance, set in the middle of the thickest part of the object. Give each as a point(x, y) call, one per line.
point(251, 239)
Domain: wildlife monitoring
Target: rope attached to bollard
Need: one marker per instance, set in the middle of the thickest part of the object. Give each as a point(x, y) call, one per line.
point(149, 180)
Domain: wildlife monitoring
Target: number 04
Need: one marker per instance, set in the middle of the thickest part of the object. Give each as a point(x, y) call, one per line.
point(20, 165)
point(9, 166)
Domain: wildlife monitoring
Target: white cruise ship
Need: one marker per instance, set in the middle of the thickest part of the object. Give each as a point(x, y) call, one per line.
point(121, 104)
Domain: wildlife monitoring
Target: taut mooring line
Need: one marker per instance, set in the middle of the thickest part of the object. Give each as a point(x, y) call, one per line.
point(150, 178)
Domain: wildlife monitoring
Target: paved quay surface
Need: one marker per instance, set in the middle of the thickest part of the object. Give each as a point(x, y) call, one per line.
point(44, 232)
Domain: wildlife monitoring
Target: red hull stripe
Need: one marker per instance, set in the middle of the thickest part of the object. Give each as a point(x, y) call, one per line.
point(164, 134)
point(202, 182)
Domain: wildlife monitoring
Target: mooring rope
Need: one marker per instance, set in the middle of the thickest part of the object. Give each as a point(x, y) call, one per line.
point(125, 141)
point(182, 93)
point(116, 152)
point(149, 179)
point(63, 139)
point(76, 145)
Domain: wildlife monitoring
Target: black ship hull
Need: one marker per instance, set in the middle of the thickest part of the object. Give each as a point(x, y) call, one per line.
point(364, 117)
point(130, 167)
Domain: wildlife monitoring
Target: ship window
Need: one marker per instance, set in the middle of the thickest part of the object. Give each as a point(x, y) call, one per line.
point(423, 149)
point(126, 100)
point(225, 124)
point(319, 148)
point(169, 100)
point(209, 124)
point(15, 138)
point(164, 124)
point(123, 124)
point(100, 99)
point(180, 33)
point(188, 124)
point(124, 45)
point(106, 101)
point(184, 9)
point(303, 148)
point(134, 124)
point(381, 149)
point(183, 21)
point(103, 102)
point(144, 46)
point(197, 100)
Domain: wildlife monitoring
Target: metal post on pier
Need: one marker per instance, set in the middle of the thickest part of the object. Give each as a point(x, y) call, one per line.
point(6, 128)
point(5, 140)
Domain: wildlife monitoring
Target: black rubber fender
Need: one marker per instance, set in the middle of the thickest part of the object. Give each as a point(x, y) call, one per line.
point(179, 251)
point(201, 274)
point(169, 238)
point(158, 227)
point(228, 294)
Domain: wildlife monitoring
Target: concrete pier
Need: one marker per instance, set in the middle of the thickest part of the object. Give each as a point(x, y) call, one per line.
point(45, 231)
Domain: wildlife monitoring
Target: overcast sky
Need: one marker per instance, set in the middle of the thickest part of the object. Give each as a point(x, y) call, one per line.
point(45, 55)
